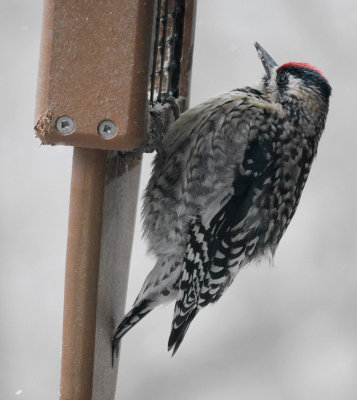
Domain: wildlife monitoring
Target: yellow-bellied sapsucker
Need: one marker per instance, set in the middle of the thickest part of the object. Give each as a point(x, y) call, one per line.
point(224, 187)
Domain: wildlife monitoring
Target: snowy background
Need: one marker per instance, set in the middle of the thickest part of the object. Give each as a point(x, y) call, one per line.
point(288, 332)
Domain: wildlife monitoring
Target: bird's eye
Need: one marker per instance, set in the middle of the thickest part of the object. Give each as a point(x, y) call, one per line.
point(282, 79)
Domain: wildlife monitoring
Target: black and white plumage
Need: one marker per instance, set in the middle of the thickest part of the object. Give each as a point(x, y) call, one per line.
point(224, 187)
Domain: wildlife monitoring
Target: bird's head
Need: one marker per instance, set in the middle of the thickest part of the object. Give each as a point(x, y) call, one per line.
point(297, 81)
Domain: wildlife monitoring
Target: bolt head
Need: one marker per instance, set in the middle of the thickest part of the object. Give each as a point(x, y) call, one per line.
point(65, 125)
point(107, 129)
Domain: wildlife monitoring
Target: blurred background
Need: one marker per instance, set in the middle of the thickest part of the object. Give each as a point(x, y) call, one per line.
point(288, 332)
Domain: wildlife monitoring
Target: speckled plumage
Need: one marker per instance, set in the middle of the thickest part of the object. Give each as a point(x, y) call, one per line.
point(225, 184)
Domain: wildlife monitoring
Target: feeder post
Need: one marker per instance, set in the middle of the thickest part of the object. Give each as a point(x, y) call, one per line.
point(97, 58)
point(92, 94)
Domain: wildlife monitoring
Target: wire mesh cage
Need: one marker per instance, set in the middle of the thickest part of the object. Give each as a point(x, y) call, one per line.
point(165, 73)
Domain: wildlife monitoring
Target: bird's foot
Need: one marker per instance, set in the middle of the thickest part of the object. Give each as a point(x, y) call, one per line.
point(159, 120)
point(168, 99)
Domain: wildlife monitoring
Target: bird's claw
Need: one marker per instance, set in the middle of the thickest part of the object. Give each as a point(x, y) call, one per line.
point(158, 126)
point(167, 98)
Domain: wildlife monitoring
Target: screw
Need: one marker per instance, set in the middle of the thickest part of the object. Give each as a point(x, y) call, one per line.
point(107, 129)
point(65, 125)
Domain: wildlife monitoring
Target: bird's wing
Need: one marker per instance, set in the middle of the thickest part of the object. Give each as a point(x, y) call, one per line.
point(219, 239)
point(191, 164)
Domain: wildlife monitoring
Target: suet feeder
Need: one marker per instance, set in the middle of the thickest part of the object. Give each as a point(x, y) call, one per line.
point(106, 67)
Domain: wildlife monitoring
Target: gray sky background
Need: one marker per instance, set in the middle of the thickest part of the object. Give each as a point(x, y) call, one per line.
point(288, 332)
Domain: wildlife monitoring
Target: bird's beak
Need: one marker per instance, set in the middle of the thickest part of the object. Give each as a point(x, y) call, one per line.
point(266, 59)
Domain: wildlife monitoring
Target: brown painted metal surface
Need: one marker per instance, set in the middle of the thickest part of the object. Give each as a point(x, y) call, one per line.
point(81, 280)
point(120, 200)
point(187, 50)
point(94, 54)
point(104, 194)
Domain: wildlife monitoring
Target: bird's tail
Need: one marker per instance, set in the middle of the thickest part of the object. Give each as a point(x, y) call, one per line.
point(138, 312)
point(180, 326)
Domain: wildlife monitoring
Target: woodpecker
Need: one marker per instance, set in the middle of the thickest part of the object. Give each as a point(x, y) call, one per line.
point(224, 187)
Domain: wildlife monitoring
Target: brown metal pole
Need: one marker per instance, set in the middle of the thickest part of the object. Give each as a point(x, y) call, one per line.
point(83, 252)
point(104, 193)
point(119, 209)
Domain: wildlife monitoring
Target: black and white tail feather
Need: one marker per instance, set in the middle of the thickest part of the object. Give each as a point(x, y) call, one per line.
point(138, 312)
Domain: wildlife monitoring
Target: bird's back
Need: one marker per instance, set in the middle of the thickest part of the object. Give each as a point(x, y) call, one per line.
point(197, 163)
